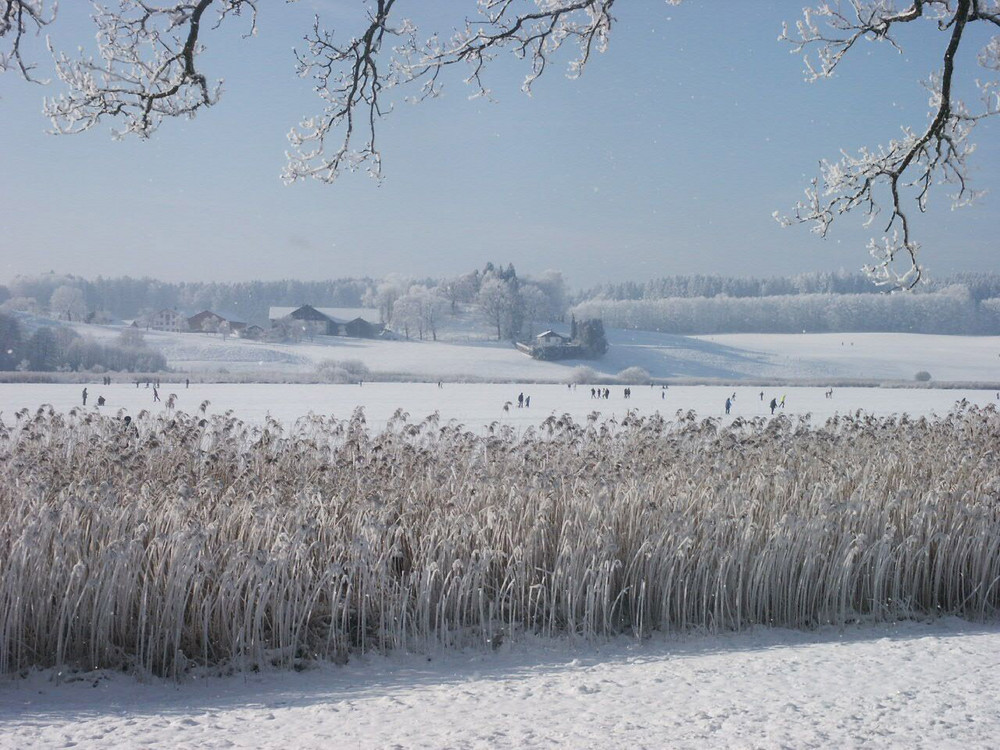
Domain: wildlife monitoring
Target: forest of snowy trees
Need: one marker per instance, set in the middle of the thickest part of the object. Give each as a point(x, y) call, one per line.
point(950, 311)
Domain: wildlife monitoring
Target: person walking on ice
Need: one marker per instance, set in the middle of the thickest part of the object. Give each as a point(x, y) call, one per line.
point(84, 396)
point(156, 395)
point(773, 405)
point(729, 404)
point(782, 400)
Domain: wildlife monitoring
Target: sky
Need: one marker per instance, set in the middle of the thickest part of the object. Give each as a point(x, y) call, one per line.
point(668, 156)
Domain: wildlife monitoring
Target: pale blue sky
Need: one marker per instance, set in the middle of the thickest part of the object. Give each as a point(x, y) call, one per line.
point(668, 156)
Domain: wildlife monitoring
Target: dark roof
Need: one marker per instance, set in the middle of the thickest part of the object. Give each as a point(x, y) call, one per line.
point(308, 312)
point(200, 318)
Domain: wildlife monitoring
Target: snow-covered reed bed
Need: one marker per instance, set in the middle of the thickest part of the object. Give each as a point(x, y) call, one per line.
point(182, 540)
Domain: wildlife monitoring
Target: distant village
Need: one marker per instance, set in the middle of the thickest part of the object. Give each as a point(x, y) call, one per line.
point(287, 323)
point(586, 340)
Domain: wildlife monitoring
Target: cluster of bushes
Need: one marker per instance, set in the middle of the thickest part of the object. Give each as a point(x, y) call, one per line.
point(57, 348)
point(343, 371)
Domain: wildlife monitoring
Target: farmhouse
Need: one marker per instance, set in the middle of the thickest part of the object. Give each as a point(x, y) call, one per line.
point(167, 320)
point(206, 320)
point(329, 321)
point(252, 332)
point(551, 338)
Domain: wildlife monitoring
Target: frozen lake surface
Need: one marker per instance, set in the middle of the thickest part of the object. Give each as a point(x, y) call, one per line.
point(477, 404)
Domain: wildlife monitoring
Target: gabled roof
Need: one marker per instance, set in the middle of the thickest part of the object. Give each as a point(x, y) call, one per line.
point(550, 334)
point(197, 320)
point(333, 314)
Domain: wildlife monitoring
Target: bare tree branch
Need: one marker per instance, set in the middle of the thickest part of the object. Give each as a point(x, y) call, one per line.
point(18, 18)
point(910, 165)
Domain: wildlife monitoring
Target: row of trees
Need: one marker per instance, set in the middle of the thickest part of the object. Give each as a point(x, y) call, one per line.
point(982, 285)
point(950, 311)
point(52, 348)
point(70, 297)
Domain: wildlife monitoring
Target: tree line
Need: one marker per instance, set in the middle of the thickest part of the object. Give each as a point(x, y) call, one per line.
point(950, 311)
point(58, 348)
point(981, 285)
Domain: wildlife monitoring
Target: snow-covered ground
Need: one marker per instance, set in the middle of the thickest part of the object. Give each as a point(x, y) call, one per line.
point(734, 357)
point(908, 685)
point(913, 684)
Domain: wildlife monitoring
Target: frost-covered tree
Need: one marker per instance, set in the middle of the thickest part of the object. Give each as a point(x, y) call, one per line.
point(10, 342)
point(498, 302)
point(384, 295)
point(459, 289)
point(406, 315)
point(535, 305)
point(149, 68)
point(68, 302)
point(431, 309)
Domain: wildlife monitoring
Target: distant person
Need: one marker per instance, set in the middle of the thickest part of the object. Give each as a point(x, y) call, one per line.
point(100, 400)
point(729, 404)
point(782, 400)
point(84, 396)
point(774, 405)
point(520, 400)
point(187, 382)
point(130, 428)
point(607, 393)
point(156, 394)
point(762, 395)
point(593, 393)
point(527, 401)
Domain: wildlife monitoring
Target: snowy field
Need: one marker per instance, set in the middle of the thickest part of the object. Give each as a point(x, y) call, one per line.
point(909, 685)
point(758, 357)
point(478, 405)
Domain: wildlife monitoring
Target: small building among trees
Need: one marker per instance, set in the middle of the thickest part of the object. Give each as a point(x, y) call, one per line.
point(586, 341)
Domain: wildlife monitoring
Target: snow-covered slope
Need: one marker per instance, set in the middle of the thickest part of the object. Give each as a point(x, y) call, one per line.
point(735, 357)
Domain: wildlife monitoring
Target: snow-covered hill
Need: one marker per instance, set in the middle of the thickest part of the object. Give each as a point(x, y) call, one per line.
point(736, 357)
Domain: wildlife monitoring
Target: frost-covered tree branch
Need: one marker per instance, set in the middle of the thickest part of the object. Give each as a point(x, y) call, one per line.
point(350, 77)
point(17, 19)
point(901, 173)
point(146, 69)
